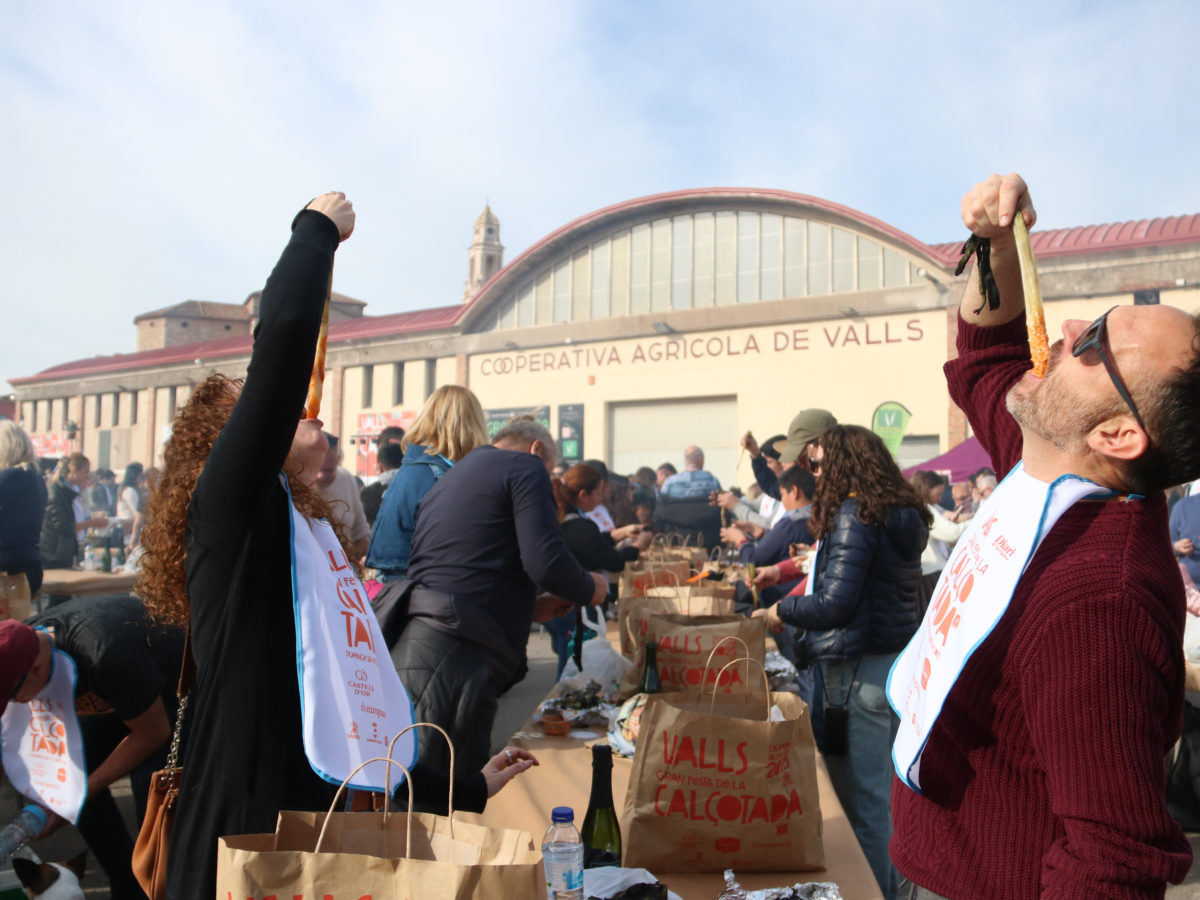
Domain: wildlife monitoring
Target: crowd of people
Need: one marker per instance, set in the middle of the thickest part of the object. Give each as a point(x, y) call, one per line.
point(1037, 769)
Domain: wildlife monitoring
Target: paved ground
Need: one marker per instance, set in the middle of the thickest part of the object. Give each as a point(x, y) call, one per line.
point(514, 709)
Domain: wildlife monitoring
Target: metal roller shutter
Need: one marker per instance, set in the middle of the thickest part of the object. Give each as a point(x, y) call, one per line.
point(654, 432)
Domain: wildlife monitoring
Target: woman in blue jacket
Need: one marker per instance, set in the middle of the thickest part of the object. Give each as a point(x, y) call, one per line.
point(449, 426)
point(871, 526)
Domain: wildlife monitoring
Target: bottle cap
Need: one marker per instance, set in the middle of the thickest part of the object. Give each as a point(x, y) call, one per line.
point(562, 814)
point(38, 812)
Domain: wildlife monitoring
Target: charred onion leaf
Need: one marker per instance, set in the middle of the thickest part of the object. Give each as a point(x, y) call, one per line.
point(982, 250)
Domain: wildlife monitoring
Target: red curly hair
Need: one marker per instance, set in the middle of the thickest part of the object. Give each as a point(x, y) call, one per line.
point(162, 582)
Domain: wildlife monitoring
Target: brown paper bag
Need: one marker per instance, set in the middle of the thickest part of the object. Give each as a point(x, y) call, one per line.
point(726, 788)
point(693, 649)
point(14, 597)
point(639, 575)
point(687, 599)
point(364, 853)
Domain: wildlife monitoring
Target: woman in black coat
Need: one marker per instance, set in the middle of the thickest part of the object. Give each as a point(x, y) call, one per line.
point(578, 492)
point(871, 526)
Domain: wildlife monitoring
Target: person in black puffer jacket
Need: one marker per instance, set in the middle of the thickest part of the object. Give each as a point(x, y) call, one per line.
point(863, 608)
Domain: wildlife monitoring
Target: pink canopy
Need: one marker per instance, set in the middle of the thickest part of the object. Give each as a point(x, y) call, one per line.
point(960, 462)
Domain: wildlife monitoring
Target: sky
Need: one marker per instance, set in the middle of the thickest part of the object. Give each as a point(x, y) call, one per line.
point(156, 152)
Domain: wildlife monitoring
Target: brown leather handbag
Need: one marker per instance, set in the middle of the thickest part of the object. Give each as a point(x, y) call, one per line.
point(154, 839)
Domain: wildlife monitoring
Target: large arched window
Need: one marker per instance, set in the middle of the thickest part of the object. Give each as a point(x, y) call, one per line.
point(702, 259)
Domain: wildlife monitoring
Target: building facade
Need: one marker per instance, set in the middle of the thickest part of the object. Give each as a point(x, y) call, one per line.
point(682, 318)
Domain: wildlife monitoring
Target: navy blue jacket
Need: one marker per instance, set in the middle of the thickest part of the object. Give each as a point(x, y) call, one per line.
point(391, 536)
point(487, 536)
point(867, 586)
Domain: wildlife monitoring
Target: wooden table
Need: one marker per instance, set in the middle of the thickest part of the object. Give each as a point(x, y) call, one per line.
point(79, 583)
point(564, 778)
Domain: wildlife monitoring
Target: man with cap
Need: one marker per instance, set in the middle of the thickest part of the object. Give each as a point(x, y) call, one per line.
point(127, 670)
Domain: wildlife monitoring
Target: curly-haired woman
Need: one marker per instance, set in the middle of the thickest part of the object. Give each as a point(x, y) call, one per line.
point(859, 611)
point(218, 558)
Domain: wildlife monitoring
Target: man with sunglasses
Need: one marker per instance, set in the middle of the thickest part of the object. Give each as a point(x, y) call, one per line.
point(1030, 760)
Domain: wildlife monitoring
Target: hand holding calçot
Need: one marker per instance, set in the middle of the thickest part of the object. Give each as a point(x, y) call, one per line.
point(750, 445)
point(766, 576)
point(989, 207)
point(338, 209)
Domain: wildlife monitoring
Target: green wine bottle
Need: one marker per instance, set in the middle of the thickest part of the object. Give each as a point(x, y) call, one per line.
point(650, 683)
point(601, 834)
point(106, 559)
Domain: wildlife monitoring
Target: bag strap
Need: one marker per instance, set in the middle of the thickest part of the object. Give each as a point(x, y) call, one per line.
point(187, 677)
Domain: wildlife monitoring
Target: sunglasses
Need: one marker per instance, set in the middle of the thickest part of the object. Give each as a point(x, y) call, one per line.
point(1095, 337)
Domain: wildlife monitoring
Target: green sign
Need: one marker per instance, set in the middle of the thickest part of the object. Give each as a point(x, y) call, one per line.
point(889, 421)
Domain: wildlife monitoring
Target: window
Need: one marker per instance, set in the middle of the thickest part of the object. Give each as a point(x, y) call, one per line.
point(525, 307)
point(818, 258)
point(770, 271)
point(619, 245)
point(96, 409)
point(545, 298)
point(31, 415)
point(660, 265)
point(133, 410)
point(793, 257)
point(747, 257)
point(368, 385)
point(398, 384)
point(562, 291)
point(681, 262)
point(843, 260)
point(702, 259)
point(726, 262)
point(170, 403)
point(895, 269)
point(116, 408)
point(601, 281)
point(639, 270)
point(581, 280)
point(868, 265)
point(430, 377)
point(1145, 298)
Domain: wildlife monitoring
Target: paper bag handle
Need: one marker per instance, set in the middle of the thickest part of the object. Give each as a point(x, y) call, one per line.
point(387, 785)
point(713, 652)
point(746, 659)
point(389, 761)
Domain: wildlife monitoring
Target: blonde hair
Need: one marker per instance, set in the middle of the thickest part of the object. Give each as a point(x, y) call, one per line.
point(450, 423)
point(15, 445)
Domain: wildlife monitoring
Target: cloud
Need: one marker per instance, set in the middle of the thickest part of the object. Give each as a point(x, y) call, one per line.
point(157, 152)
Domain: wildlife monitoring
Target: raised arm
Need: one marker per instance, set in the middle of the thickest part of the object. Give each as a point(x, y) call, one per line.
point(988, 210)
point(250, 451)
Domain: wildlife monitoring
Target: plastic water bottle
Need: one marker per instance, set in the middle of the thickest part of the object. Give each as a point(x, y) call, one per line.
point(562, 856)
point(20, 831)
point(89, 558)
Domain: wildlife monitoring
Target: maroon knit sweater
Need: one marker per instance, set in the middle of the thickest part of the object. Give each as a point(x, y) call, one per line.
point(1043, 775)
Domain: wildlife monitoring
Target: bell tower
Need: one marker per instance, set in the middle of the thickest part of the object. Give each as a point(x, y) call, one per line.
point(486, 254)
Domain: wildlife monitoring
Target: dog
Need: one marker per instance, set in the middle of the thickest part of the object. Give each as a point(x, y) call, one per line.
point(50, 881)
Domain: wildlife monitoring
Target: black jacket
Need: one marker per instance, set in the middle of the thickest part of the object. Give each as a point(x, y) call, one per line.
point(867, 586)
point(58, 546)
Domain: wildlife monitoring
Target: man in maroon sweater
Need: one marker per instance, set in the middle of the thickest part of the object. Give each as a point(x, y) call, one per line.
point(1042, 776)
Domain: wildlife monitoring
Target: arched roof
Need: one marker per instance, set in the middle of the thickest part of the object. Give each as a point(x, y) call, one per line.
point(582, 230)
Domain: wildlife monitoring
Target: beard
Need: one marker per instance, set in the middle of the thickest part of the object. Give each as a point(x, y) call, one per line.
point(1052, 410)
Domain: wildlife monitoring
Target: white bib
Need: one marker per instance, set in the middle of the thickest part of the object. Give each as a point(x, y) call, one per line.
point(972, 594)
point(352, 701)
point(42, 746)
